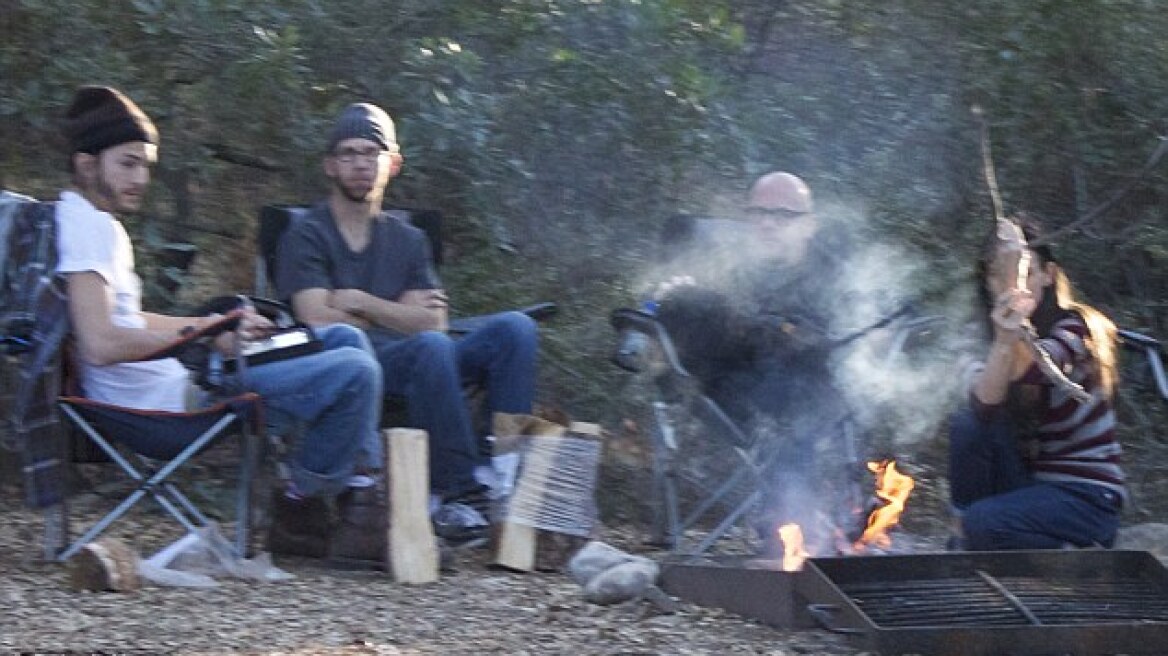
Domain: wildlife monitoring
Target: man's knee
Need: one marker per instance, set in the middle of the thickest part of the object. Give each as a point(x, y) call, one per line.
point(357, 364)
point(518, 327)
point(433, 344)
point(340, 335)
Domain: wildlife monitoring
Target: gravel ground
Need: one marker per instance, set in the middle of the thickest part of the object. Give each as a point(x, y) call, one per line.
point(473, 610)
point(320, 611)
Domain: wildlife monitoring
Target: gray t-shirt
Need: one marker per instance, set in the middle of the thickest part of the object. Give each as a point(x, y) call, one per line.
point(313, 255)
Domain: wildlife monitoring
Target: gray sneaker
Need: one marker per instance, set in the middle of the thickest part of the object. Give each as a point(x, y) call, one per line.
point(460, 525)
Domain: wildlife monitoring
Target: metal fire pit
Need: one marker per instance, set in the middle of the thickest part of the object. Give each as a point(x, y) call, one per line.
point(753, 588)
point(1019, 603)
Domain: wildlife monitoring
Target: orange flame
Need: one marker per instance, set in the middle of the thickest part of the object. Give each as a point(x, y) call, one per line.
point(893, 487)
point(794, 552)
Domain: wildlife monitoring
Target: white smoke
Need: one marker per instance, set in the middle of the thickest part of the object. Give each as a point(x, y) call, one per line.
point(899, 381)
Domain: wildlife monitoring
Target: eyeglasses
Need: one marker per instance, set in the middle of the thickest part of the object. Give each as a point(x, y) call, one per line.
point(371, 154)
point(775, 213)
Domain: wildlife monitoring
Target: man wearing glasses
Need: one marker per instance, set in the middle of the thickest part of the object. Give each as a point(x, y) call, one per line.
point(749, 317)
point(350, 261)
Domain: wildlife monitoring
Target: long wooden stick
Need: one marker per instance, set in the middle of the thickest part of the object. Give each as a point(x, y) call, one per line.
point(987, 162)
point(1011, 234)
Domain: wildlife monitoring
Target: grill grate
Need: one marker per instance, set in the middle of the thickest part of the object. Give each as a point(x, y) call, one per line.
point(1087, 602)
point(1021, 603)
point(1007, 601)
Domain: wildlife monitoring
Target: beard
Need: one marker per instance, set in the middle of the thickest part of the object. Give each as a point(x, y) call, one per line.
point(357, 193)
point(118, 202)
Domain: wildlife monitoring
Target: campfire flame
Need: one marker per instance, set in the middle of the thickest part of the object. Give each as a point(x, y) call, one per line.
point(893, 488)
point(794, 552)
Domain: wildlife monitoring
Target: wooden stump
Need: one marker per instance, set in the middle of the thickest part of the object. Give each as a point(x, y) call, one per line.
point(106, 564)
point(412, 552)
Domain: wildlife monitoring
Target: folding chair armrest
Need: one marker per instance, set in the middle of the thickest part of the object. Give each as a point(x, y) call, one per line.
point(224, 323)
point(1135, 341)
point(626, 319)
point(1153, 350)
point(541, 311)
point(538, 312)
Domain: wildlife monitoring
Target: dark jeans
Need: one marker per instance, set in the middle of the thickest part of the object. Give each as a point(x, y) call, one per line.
point(1004, 507)
point(336, 395)
point(429, 370)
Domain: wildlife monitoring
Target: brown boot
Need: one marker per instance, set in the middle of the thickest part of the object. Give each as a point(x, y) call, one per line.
point(360, 538)
point(300, 527)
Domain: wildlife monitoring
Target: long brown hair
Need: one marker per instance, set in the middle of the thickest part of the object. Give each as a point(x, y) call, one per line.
point(1059, 300)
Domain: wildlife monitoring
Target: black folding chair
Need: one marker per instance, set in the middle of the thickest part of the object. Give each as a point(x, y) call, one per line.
point(1153, 351)
point(34, 333)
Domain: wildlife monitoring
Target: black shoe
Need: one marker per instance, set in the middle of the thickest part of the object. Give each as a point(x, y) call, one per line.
point(462, 520)
point(300, 527)
point(361, 536)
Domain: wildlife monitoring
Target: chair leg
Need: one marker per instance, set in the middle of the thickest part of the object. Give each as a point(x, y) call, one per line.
point(710, 501)
point(56, 530)
point(248, 467)
point(665, 530)
point(156, 485)
point(721, 529)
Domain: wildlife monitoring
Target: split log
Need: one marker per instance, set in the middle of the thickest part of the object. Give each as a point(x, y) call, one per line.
point(106, 564)
point(524, 543)
point(412, 553)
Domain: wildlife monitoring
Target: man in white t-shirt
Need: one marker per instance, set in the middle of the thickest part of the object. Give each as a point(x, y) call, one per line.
point(335, 394)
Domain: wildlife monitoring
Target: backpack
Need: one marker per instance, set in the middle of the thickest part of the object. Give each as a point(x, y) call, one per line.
point(34, 319)
point(28, 238)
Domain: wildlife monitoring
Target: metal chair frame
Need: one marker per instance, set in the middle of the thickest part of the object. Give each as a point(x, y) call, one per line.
point(153, 477)
point(754, 463)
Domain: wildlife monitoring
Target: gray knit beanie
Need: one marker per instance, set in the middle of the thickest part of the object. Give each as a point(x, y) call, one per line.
point(363, 121)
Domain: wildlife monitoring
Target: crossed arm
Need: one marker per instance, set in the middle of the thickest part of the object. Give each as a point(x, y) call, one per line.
point(416, 310)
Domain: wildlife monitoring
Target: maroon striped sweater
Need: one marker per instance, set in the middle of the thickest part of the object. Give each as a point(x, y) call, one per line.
point(1076, 441)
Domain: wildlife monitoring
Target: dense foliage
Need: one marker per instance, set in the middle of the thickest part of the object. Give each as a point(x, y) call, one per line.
point(557, 134)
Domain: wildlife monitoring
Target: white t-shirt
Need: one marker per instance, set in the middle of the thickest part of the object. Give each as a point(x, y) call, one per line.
point(91, 240)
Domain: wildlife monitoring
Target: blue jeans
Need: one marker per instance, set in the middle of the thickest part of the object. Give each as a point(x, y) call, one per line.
point(1003, 507)
point(429, 369)
point(335, 397)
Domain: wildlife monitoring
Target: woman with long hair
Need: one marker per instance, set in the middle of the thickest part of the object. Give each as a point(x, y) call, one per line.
point(1030, 465)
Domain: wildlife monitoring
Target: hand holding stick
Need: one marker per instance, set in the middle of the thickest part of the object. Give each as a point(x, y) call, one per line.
point(1012, 240)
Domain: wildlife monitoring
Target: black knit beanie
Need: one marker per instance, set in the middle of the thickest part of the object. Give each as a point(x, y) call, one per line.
point(101, 117)
point(363, 121)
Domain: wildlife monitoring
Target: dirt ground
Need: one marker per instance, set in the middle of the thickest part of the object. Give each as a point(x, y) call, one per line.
point(474, 609)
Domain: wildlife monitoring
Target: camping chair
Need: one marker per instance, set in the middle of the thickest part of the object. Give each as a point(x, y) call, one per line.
point(149, 446)
point(679, 401)
point(681, 406)
point(34, 334)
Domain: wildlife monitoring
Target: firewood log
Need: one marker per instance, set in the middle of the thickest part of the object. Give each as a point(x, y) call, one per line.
point(106, 564)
